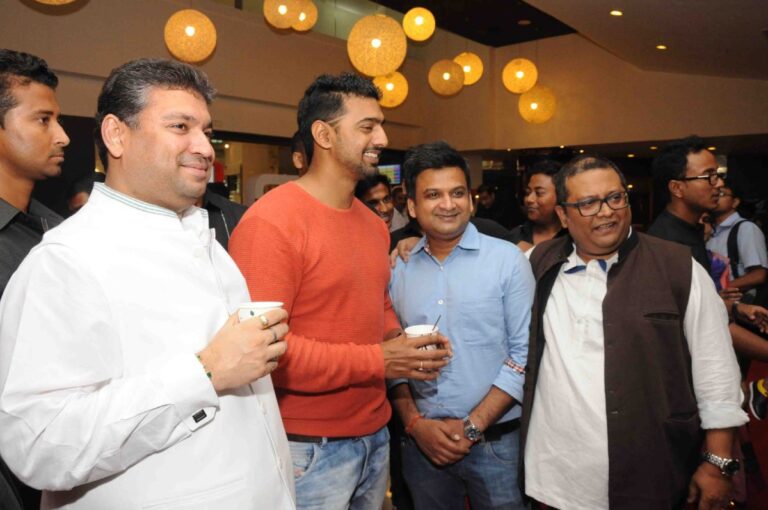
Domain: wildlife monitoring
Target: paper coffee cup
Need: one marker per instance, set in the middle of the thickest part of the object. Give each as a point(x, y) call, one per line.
point(253, 309)
point(420, 330)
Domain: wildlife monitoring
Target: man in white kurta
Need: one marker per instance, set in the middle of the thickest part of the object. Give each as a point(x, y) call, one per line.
point(107, 332)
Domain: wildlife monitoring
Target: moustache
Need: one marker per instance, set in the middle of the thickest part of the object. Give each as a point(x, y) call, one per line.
point(198, 162)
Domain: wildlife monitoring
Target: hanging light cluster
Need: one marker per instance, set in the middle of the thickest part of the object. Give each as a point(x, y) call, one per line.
point(190, 36)
point(537, 103)
point(300, 15)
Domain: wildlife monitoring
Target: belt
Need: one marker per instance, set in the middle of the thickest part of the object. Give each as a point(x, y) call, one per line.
point(494, 432)
point(298, 438)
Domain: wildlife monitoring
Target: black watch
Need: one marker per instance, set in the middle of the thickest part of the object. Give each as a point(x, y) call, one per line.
point(471, 432)
point(728, 467)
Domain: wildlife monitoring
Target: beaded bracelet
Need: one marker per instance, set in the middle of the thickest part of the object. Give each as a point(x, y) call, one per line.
point(203, 364)
point(412, 423)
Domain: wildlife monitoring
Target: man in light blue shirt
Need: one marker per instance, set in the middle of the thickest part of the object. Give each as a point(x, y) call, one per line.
point(749, 262)
point(462, 427)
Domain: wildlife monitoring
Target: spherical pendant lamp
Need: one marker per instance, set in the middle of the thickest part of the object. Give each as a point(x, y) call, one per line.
point(282, 14)
point(519, 75)
point(446, 77)
point(419, 24)
point(472, 66)
point(307, 16)
point(190, 36)
point(394, 89)
point(537, 105)
point(376, 45)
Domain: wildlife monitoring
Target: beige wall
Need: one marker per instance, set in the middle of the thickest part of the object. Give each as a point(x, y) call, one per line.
point(261, 75)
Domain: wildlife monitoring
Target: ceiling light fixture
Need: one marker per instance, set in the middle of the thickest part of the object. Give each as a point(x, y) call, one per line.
point(282, 14)
point(519, 75)
point(377, 45)
point(394, 89)
point(419, 24)
point(538, 105)
point(446, 77)
point(661, 47)
point(616, 13)
point(190, 36)
point(307, 16)
point(472, 66)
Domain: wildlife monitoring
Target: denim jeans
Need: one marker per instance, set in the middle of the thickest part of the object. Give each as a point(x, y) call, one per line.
point(488, 475)
point(336, 475)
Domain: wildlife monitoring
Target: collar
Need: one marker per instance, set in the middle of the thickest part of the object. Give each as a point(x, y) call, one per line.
point(625, 248)
point(730, 221)
point(694, 227)
point(574, 263)
point(470, 240)
point(36, 210)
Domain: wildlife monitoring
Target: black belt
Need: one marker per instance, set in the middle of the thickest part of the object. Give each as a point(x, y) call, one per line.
point(494, 432)
point(298, 438)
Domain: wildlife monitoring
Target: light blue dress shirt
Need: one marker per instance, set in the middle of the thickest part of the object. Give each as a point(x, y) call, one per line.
point(750, 242)
point(482, 293)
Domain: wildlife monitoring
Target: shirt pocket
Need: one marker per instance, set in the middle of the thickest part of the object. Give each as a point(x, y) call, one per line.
point(480, 322)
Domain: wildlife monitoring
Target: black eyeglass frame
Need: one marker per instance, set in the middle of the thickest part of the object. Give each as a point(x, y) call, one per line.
point(710, 177)
point(590, 202)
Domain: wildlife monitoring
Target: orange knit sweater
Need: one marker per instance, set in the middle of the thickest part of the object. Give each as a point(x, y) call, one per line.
point(329, 266)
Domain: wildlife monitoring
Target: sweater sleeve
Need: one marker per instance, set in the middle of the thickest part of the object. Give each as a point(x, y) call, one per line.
point(271, 262)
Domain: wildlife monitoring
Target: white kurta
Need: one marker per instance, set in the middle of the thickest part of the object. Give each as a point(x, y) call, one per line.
point(103, 403)
point(566, 453)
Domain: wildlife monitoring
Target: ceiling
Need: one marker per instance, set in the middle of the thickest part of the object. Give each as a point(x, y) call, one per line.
point(710, 37)
point(490, 22)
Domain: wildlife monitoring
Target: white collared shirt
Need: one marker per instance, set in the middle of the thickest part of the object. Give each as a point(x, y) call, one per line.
point(102, 401)
point(566, 453)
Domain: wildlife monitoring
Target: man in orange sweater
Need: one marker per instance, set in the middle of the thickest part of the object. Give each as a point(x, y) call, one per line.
point(313, 246)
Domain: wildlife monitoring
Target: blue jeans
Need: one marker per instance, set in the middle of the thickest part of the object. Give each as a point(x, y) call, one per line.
point(336, 475)
point(488, 475)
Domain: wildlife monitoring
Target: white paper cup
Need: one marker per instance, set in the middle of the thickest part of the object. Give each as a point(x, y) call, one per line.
point(420, 330)
point(255, 308)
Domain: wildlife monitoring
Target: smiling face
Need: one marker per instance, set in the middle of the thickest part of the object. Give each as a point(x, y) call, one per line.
point(32, 141)
point(597, 236)
point(540, 199)
point(359, 136)
point(442, 204)
point(166, 156)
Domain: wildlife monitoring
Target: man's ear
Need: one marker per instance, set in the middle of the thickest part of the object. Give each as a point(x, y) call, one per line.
point(675, 188)
point(113, 132)
point(323, 134)
point(560, 210)
point(411, 207)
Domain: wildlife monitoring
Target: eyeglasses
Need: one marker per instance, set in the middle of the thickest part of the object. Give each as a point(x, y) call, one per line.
point(711, 178)
point(592, 206)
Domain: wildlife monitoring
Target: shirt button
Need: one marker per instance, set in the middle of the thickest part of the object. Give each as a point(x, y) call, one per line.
point(440, 301)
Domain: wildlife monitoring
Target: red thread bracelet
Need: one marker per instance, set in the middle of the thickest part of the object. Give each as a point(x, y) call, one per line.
point(412, 423)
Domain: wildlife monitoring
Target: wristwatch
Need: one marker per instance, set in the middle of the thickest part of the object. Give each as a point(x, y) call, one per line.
point(471, 432)
point(728, 467)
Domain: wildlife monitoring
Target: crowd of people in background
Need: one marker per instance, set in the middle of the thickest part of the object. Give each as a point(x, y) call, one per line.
point(460, 350)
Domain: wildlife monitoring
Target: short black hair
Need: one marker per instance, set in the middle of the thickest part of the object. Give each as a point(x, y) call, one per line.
point(581, 164)
point(18, 68)
point(548, 167)
point(363, 186)
point(672, 160)
point(124, 94)
point(434, 155)
point(324, 100)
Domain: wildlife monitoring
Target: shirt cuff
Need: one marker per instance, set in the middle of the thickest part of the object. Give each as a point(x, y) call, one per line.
point(187, 387)
point(510, 382)
point(721, 415)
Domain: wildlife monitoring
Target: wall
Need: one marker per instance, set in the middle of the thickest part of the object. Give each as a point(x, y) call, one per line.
point(261, 74)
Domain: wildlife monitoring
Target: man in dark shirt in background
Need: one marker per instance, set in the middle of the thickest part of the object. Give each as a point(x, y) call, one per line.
point(31, 149)
point(686, 174)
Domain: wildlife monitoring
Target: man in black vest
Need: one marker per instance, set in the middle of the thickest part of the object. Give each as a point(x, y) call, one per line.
point(629, 358)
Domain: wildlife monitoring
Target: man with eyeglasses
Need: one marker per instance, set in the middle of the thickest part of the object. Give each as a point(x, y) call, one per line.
point(629, 358)
point(685, 174)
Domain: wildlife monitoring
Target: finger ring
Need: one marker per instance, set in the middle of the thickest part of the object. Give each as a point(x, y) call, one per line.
point(264, 321)
point(274, 335)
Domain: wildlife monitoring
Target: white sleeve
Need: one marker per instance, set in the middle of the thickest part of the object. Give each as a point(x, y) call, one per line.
point(68, 413)
point(716, 377)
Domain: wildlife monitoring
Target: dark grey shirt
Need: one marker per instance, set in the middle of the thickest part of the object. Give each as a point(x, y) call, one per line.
point(670, 227)
point(19, 233)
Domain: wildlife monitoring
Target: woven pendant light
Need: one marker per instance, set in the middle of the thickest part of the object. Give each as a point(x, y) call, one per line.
point(190, 36)
point(519, 75)
point(282, 14)
point(394, 89)
point(419, 24)
point(376, 45)
point(471, 65)
point(307, 16)
point(537, 105)
point(446, 77)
